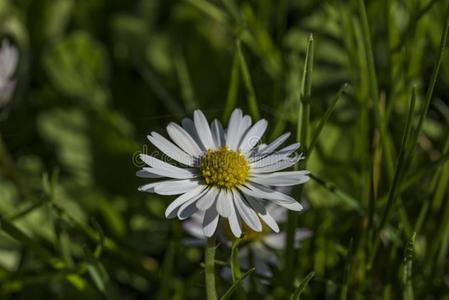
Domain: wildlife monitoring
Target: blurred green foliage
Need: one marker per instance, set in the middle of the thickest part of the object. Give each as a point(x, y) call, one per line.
point(96, 76)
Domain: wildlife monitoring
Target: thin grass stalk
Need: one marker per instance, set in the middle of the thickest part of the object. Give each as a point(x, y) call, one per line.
point(325, 119)
point(374, 91)
point(231, 98)
point(433, 80)
point(209, 269)
point(302, 136)
point(393, 192)
point(247, 81)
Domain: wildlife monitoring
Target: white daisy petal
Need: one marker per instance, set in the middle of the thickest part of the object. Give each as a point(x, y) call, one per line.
point(185, 174)
point(259, 148)
point(9, 57)
point(183, 139)
point(208, 199)
point(232, 138)
point(275, 144)
point(253, 136)
point(248, 215)
point(170, 149)
point(189, 126)
point(279, 213)
point(280, 165)
point(203, 129)
point(210, 221)
point(193, 227)
point(278, 241)
point(169, 187)
point(172, 187)
point(234, 222)
point(258, 162)
point(259, 191)
point(218, 133)
point(172, 209)
point(275, 241)
point(224, 201)
point(187, 209)
point(281, 178)
point(263, 213)
point(146, 174)
point(244, 126)
point(159, 167)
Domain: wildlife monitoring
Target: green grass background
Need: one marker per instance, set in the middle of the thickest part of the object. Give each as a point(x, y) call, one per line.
point(96, 76)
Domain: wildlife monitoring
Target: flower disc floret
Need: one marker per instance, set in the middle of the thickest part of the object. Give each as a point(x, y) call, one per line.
point(224, 168)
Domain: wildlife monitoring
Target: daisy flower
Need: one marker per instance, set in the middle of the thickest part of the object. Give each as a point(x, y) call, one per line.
point(223, 172)
point(259, 246)
point(9, 57)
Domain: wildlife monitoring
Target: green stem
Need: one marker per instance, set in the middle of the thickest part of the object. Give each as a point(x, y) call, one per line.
point(302, 136)
point(210, 269)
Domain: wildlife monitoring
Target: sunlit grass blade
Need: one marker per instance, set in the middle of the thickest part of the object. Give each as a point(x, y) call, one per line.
point(374, 89)
point(324, 119)
point(300, 289)
point(246, 76)
point(233, 88)
point(302, 133)
point(236, 284)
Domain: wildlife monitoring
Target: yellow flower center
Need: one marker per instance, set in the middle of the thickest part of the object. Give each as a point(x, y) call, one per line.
point(224, 168)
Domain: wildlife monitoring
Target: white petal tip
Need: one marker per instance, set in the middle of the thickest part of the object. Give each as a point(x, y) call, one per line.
point(208, 234)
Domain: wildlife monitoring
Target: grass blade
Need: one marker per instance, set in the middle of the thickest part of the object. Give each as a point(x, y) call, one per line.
point(252, 100)
point(300, 289)
point(236, 284)
point(186, 86)
point(433, 80)
point(407, 283)
point(393, 192)
point(325, 118)
point(373, 88)
point(301, 134)
point(235, 266)
point(233, 88)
